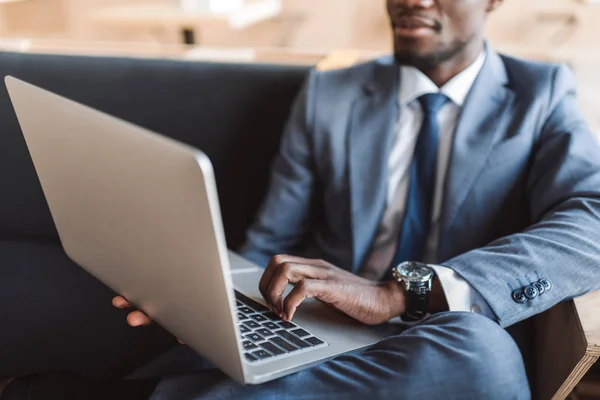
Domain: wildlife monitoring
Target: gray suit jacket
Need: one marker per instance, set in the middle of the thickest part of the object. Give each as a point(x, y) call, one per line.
point(522, 194)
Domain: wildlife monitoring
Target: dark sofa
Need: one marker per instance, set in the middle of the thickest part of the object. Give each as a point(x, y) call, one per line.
point(53, 315)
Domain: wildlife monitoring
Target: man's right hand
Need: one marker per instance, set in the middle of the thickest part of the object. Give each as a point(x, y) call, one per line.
point(134, 318)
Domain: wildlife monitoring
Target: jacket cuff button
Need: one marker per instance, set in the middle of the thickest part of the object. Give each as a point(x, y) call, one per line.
point(519, 296)
point(547, 284)
point(540, 287)
point(531, 292)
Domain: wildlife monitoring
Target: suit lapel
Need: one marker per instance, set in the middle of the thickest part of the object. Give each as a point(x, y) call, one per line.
point(482, 122)
point(372, 122)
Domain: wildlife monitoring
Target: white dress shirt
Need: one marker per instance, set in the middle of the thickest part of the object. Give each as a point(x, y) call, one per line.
point(413, 84)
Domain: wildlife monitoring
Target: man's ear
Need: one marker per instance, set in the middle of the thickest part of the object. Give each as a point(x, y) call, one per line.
point(494, 4)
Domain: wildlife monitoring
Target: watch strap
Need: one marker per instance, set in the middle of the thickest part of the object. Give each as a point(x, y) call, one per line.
point(417, 304)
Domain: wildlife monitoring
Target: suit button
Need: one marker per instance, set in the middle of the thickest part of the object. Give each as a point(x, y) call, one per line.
point(531, 292)
point(540, 288)
point(547, 284)
point(519, 296)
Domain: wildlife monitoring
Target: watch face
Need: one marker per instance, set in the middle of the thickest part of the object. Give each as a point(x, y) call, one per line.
point(413, 272)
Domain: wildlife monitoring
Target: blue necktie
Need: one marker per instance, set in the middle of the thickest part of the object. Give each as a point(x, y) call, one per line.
point(419, 203)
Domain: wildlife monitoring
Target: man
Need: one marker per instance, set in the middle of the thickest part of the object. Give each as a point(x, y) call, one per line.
point(477, 163)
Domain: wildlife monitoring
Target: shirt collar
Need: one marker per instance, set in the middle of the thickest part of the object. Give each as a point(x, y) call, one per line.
point(414, 83)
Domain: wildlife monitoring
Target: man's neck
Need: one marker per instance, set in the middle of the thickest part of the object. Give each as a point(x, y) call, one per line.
point(447, 70)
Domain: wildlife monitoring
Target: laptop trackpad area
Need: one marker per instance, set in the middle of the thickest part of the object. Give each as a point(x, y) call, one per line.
point(246, 276)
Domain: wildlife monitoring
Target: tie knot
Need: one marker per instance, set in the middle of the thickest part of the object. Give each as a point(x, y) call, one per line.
point(432, 103)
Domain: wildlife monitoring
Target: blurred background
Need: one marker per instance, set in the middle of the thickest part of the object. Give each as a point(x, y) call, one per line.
point(289, 31)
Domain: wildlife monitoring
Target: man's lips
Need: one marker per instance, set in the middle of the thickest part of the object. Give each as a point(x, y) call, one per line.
point(413, 25)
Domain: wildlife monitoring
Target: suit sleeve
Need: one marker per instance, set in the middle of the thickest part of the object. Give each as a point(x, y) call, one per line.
point(562, 249)
point(284, 217)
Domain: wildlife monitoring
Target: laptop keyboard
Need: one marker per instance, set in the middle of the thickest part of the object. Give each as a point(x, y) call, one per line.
point(265, 336)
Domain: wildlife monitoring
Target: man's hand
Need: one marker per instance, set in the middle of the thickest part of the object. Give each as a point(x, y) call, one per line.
point(135, 318)
point(364, 300)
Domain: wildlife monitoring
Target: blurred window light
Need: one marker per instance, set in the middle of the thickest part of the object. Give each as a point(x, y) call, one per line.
point(213, 6)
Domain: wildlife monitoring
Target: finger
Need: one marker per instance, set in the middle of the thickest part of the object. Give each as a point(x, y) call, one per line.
point(274, 265)
point(290, 273)
point(305, 289)
point(120, 302)
point(265, 279)
point(138, 318)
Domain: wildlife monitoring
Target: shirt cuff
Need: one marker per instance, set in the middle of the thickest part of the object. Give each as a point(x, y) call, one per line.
point(460, 295)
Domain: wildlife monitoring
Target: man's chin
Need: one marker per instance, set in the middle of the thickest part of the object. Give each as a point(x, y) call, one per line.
point(427, 55)
point(427, 59)
point(416, 59)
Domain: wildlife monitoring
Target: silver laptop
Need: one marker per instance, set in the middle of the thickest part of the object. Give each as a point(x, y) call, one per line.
point(140, 212)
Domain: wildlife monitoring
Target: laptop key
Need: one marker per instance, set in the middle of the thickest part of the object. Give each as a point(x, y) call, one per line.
point(262, 354)
point(293, 339)
point(250, 357)
point(265, 332)
point(255, 337)
point(252, 324)
point(241, 316)
point(271, 325)
point(246, 310)
point(283, 344)
point(244, 329)
point(250, 303)
point(314, 341)
point(272, 316)
point(237, 303)
point(248, 345)
point(258, 317)
point(272, 348)
point(300, 333)
point(287, 325)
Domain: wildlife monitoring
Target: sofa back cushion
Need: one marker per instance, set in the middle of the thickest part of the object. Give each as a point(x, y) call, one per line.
point(235, 113)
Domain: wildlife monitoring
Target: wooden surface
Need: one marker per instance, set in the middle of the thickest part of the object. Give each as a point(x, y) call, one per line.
point(588, 308)
point(520, 26)
point(324, 25)
point(566, 346)
point(170, 14)
point(171, 51)
point(575, 377)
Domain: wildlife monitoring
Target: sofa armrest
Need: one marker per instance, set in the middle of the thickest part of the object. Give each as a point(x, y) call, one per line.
point(567, 345)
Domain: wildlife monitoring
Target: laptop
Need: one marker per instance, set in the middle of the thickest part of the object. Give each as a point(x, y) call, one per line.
point(140, 212)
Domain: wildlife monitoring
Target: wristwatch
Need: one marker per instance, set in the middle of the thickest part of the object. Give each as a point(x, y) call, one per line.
point(417, 279)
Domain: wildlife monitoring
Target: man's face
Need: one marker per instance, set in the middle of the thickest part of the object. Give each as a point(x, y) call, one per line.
point(428, 32)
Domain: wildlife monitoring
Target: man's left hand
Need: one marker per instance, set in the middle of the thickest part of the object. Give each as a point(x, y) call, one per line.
point(367, 301)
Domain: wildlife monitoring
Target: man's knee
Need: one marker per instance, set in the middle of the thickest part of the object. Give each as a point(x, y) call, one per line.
point(487, 355)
